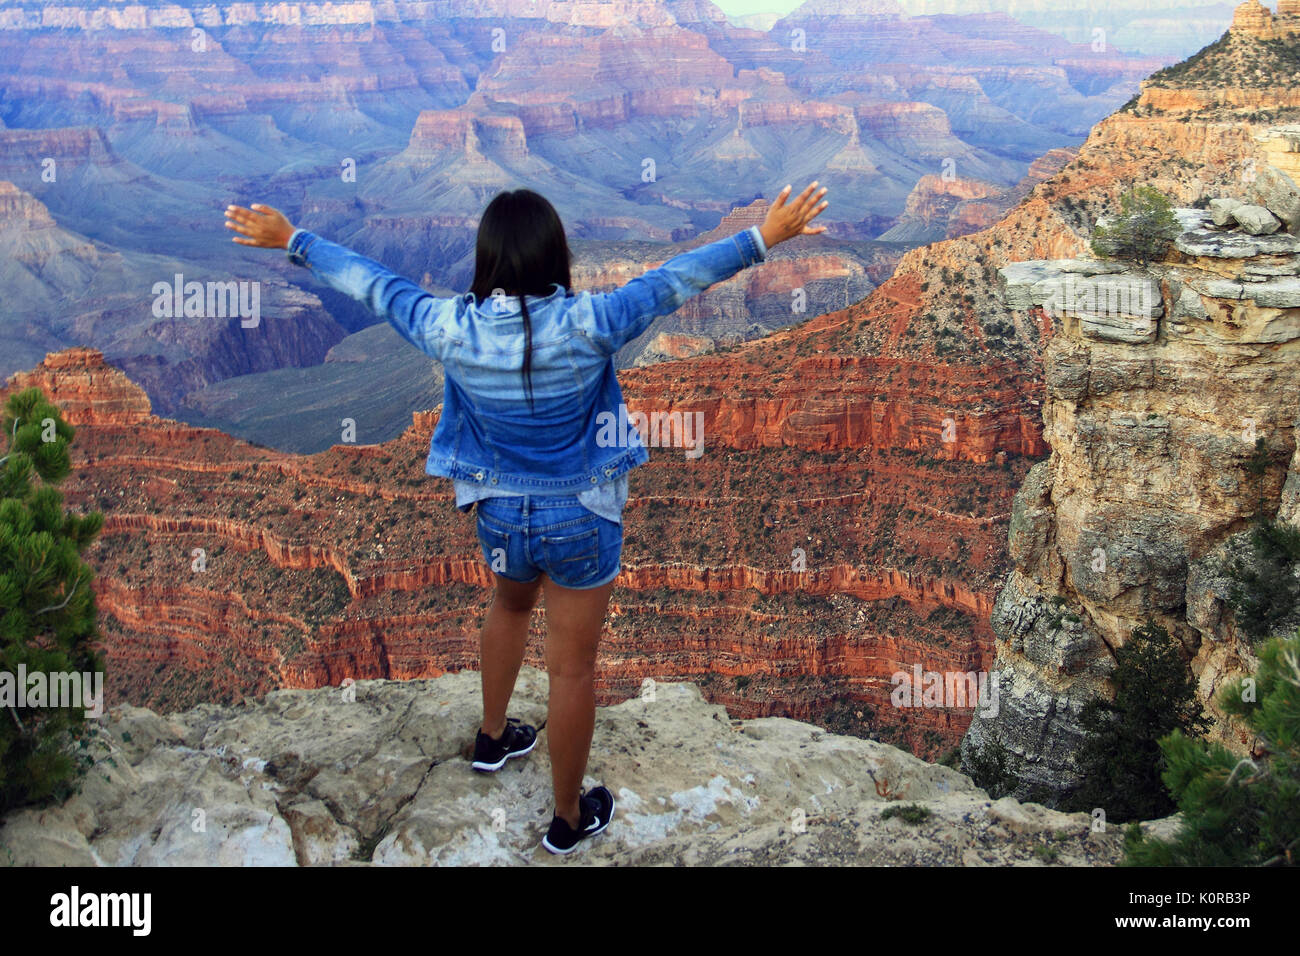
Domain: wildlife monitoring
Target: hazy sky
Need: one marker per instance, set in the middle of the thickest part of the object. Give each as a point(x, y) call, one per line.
point(738, 7)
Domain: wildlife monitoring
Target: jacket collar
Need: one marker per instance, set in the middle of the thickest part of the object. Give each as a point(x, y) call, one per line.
point(488, 311)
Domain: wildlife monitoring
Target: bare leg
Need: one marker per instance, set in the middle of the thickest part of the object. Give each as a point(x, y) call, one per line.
point(501, 648)
point(574, 620)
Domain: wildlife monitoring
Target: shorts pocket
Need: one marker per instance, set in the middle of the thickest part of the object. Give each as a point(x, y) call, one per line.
point(572, 559)
point(496, 545)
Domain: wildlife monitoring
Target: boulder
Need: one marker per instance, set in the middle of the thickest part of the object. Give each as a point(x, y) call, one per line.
point(1221, 211)
point(1278, 193)
point(1256, 220)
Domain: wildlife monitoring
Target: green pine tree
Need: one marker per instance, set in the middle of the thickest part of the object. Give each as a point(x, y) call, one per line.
point(1238, 811)
point(1265, 592)
point(1142, 231)
point(47, 608)
point(1120, 760)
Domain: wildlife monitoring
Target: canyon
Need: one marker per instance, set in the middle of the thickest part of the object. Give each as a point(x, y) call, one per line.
point(1153, 26)
point(853, 514)
point(388, 126)
point(227, 569)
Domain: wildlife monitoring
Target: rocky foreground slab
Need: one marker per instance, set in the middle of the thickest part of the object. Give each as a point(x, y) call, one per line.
point(306, 777)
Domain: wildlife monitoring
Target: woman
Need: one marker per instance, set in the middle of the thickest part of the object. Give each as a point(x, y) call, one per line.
point(528, 379)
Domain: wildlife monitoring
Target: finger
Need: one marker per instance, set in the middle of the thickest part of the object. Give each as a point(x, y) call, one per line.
point(245, 215)
point(242, 228)
point(807, 202)
point(780, 197)
point(803, 196)
point(817, 211)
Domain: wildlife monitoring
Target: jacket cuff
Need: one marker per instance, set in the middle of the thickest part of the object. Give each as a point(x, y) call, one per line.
point(299, 243)
point(758, 240)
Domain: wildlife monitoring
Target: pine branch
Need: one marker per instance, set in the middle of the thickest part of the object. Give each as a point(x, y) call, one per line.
point(57, 607)
point(12, 438)
point(1283, 858)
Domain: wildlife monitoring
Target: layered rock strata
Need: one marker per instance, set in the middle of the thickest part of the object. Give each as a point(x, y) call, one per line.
point(1158, 389)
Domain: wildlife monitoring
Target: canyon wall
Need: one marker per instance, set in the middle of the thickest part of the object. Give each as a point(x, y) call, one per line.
point(1159, 385)
point(226, 569)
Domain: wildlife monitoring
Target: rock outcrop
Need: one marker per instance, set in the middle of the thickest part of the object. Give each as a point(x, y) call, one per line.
point(933, 206)
point(1158, 388)
point(377, 773)
point(1254, 19)
point(88, 390)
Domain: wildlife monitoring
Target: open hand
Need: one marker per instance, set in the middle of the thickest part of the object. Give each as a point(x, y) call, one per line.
point(787, 221)
point(265, 227)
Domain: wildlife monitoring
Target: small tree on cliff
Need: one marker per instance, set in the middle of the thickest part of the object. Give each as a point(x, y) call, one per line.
point(1265, 589)
point(1238, 811)
point(1120, 760)
point(47, 608)
point(1142, 231)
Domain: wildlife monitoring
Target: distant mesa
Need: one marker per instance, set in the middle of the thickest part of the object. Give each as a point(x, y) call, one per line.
point(19, 209)
point(1253, 18)
point(462, 131)
point(87, 389)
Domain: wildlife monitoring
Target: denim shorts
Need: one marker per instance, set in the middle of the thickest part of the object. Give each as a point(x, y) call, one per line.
point(523, 536)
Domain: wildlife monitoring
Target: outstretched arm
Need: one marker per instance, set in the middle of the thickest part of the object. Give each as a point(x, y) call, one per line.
point(414, 313)
point(622, 315)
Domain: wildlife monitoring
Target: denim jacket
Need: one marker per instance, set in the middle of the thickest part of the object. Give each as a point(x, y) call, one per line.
point(487, 434)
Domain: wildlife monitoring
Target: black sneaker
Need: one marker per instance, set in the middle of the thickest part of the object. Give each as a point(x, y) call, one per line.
point(516, 740)
point(597, 811)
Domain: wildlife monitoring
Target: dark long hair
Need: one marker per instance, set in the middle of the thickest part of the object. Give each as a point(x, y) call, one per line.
point(521, 250)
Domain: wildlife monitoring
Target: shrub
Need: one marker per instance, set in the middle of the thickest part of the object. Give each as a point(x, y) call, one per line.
point(1238, 811)
point(1265, 592)
point(1142, 231)
point(994, 769)
point(912, 813)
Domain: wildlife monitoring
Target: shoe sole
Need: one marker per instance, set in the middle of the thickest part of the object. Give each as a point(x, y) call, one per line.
point(590, 833)
point(482, 767)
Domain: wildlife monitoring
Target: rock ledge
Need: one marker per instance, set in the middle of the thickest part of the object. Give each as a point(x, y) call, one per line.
point(302, 777)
